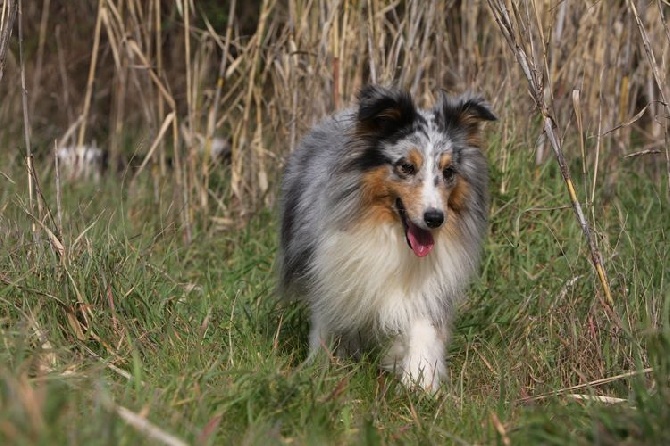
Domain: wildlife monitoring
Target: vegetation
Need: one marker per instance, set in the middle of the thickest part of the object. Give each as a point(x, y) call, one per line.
point(140, 308)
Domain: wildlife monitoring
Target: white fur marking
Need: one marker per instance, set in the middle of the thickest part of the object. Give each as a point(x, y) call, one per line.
point(369, 283)
point(423, 363)
point(430, 194)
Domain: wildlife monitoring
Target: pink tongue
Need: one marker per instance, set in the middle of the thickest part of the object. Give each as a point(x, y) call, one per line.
point(420, 240)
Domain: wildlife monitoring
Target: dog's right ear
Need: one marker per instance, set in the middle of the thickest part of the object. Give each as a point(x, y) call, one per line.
point(383, 111)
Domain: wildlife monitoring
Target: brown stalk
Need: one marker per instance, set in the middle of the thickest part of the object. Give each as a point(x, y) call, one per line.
point(8, 18)
point(160, 103)
point(427, 30)
point(191, 123)
point(34, 190)
point(116, 33)
point(163, 89)
point(220, 80)
point(91, 74)
point(535, 81)
point(660, 80)
point(62, 73)
point(180, 191)
point(241, 180)
point(37, 75)
point(203, 149)
point(26, 125)
point(212, 116)
point(370, 34)
point(59, 194)
point(137, 421)
point(335, 50)
point(169, 121)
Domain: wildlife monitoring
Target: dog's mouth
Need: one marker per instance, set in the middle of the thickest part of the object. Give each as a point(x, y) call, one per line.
point(420, 240)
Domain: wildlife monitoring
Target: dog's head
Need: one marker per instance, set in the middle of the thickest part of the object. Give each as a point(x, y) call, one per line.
point(421, 168)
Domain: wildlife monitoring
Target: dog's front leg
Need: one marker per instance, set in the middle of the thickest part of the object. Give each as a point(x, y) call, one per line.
point(319, 336)
point(423, 363)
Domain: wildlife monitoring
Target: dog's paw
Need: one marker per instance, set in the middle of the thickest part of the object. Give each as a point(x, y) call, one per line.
point(423, 374)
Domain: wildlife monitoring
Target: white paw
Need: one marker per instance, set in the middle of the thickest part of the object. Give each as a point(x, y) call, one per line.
point(423, 362)
point(419, 372)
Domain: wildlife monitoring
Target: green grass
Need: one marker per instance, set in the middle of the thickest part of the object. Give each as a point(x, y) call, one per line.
point(210, 357)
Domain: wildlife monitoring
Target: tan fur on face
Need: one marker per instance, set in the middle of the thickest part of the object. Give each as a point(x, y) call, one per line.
point(379, 193)
point(411, 199)
point(458, 196)
point(376, 197)
point(445, 160)
point(415, 158)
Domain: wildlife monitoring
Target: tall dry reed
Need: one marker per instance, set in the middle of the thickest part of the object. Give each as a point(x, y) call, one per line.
point(136, 75)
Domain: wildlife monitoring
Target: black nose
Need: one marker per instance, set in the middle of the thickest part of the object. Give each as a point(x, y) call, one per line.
point(433, 218)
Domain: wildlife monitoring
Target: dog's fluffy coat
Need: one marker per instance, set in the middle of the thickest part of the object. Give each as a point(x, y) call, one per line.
point(383, 216)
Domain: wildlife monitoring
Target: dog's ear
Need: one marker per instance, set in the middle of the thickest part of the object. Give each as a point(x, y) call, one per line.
point(464, 112)
point(383, 111)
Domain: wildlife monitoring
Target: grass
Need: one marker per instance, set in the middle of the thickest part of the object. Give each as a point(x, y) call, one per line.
point(191, 339)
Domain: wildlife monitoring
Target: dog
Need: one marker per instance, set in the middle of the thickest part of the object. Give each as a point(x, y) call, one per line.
point(383, 215)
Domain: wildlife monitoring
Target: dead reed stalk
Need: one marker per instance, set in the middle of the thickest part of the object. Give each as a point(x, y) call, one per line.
point(91, 74)
point(261, 87)
point(44, 20)
point(26, 126)
point(532, 61)
point(7, 20)
point(660, 76)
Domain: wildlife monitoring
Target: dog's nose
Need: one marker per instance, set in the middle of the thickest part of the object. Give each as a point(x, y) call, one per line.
point(433, 218)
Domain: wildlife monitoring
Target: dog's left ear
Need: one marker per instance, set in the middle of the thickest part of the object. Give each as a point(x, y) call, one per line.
point(383, 111)
point(463, 112)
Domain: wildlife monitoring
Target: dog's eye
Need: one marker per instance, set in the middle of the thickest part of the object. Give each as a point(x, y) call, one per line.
point(448, 173)
point(407, 169)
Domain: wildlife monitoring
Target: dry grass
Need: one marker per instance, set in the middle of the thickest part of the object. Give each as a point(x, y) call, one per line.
point(148, 59)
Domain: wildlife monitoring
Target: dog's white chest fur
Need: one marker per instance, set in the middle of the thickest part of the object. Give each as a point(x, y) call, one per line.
point(369, 278)
point(369, 286)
